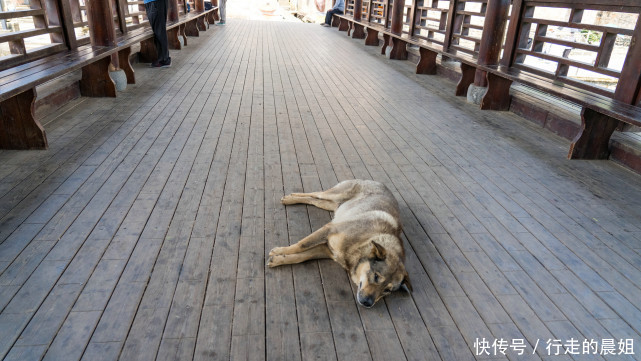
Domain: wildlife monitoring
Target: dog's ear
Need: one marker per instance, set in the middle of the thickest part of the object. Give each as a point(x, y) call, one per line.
point(378, 251)
point(406, 284)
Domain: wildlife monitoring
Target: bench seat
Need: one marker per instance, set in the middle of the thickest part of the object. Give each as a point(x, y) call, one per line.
point(18, 127)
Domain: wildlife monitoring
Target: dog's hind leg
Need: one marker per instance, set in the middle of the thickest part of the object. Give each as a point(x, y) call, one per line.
point(309, 198)
point(329, 199)
point(318, 252)
point(317, 238)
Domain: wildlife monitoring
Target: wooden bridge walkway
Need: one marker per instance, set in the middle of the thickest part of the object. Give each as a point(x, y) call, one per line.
point(141, 234)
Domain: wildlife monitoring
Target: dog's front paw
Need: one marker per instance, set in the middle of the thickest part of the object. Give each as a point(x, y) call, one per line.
point(288, 199)
point(273, 261)
point(277, 251)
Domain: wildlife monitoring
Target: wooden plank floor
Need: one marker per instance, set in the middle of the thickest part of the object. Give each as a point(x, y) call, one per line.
point(141, 234)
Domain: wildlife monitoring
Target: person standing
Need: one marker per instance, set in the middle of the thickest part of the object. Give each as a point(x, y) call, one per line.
point(157, 16)
point(222, 9)
point(338, 8)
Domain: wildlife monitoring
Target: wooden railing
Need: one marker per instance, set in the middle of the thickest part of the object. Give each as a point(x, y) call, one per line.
point(31, 32)
point(349, 7)
point(582, 43)
point(467, 27)
point(430, 20)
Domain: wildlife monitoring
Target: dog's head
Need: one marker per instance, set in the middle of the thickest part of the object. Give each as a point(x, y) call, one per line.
point(379, 274)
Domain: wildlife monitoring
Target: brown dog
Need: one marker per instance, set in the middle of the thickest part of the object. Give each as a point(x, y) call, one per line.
point(363, 237)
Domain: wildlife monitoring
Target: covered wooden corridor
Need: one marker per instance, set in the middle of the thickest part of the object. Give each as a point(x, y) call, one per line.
point(141, 233)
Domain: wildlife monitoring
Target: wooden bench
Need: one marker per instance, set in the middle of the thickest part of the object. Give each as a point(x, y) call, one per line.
point(18, 127)
point(599, 118)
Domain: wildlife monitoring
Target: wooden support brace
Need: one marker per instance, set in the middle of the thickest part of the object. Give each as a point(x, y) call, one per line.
point(147, 52)
point(497, 96)
point(200, 23)
point(191, 29)
point(172, 36)
point(211, 17)
point(19, 129)
point(399, 49)
point(335, 21)
point(427, 62)
point(95, 81)
point(467, 78)
point(359, 31)
point(343, 25)
point(216, 14)
point(181, 32)
point(125, 64)
point(385, 43)
point(372, 37)
point(593, 140)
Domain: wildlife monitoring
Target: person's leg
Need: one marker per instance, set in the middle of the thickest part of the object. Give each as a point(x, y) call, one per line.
point(160, 32)
point(222, 9)
point(152, 15)
point(328, 16)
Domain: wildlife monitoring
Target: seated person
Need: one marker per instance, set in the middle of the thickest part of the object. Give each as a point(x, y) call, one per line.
point(338, 8)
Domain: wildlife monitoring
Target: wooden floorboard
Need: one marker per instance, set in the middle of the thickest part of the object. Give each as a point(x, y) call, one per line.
point(142, 233)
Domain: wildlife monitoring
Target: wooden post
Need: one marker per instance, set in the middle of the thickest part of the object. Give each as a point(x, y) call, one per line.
point(172, 11)
point(358, 10)
point(399, 47)
point(101, 24)
point(449, 27)
point(512, 38)
point(629, 85)
point(414, 20)
point(120, 12)
point(95, 80)
point(67, 24)
point(385, 14)
point(397, 16)
point(359, 31)
point(200, 7)
point(493, 30)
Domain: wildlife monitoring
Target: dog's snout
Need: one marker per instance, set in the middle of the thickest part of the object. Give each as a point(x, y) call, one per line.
point(366, 301)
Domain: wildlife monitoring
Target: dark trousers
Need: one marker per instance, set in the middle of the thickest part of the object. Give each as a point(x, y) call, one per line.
point(330, 13)
point(157, 15)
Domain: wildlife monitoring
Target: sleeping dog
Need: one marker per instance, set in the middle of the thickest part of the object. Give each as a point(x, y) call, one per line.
point(363, 237)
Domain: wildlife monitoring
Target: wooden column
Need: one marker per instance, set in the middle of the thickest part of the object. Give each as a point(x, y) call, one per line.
point(629, 86)
point(101, 24)
point(359, 31)
point(450, 25)
point(397, 16)
point(385, 14)
point(121, 5)
point(512, 38)
point(493, 30)
point(200, 7)
point(172, 11)
point(95, 80)
point(399, 47)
